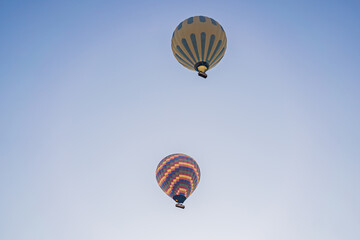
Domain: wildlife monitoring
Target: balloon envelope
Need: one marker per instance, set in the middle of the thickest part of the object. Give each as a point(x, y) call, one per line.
point(178, 175)
point(199, 43)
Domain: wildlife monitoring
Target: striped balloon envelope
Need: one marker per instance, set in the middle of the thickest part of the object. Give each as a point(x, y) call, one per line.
point(178, 176)
point(199, 43)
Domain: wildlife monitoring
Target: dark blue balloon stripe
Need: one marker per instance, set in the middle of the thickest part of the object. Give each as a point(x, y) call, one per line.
point(212, 39)
point(222, 28)
point(213, 21)
point(215, 51)
point(220, 53)
point(182, 61)
point(190, 20)
point(193, 40)
point(179, 26)
point(185, 44)
point(203, 41)
point(183, 54)
point(217, 61)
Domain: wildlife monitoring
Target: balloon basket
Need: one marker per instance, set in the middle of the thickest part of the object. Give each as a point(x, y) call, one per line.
point(179, 205)
point(202, 74)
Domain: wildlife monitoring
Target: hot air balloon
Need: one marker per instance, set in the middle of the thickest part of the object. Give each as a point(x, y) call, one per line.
point(199, 43)
point(178, 175)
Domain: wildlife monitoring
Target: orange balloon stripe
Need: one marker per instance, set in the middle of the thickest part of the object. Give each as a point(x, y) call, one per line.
point(181, 176)
point(165, 162)
point(185, 164)
point(192, 166)
point(177, 179)
point(162, 180)
point(182, 190)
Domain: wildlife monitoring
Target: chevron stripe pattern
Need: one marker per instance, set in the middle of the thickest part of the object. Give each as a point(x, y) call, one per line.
point(199, 39)
point(178, 174)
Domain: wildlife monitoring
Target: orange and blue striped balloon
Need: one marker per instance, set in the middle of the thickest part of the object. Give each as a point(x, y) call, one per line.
point(178, 176)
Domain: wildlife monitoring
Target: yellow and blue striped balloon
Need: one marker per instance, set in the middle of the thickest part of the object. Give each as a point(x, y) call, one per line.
point(199, 43)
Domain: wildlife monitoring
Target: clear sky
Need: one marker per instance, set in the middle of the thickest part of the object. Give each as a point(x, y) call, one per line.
point(91, 99)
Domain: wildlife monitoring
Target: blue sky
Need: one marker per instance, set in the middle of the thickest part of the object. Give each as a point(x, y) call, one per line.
point(91, 99)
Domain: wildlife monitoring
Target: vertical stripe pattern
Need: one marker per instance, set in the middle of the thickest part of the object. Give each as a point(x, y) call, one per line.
point(199, 39)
